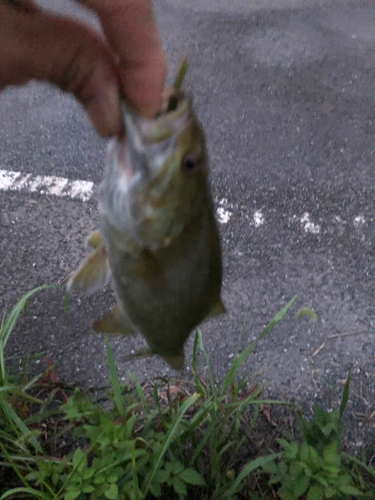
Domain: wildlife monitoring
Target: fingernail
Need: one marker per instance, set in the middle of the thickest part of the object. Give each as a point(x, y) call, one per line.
point(104, 110)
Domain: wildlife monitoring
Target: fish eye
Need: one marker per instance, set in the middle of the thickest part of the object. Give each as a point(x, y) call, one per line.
point(190, 162)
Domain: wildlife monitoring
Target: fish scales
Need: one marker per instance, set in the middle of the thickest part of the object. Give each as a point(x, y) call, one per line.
point(158, 233)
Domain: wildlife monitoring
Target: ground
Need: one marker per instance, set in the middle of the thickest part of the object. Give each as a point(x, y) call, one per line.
point(285, 91)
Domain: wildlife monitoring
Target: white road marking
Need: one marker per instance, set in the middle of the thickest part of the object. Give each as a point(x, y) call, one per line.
point(259, 218)
point(359, 221)
point(46, 184)
point(223, 215)
point(83, 191)
point(308, 226)
point(339, 219)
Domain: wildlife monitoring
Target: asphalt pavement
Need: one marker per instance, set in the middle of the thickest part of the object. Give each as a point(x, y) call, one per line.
point(285, 91)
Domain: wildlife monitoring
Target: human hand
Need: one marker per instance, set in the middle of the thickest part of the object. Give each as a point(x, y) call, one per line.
point(35, 44)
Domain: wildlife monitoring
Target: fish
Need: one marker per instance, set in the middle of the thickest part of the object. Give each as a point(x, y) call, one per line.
point(158, 238)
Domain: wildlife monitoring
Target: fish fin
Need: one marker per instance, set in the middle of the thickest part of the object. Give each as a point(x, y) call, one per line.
point(94, 239)
point(145, 352)
point(176, 361)
point(92, 275)
point(217, 309)
point(114, 322)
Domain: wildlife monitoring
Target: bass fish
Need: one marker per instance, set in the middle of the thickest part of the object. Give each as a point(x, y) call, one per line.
point(158, 238)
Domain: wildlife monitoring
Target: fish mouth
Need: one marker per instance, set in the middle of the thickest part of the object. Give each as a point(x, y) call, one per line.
point(172, 118)
point(171, 100)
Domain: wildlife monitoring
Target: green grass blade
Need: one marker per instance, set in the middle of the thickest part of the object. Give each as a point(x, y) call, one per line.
point(30, 384)
point(197, 419)
point(235, 450)
point(16, 311)
point(250, 467)
point(23, 468)
point(114, 380)
point(207, 434)
point(352, 458)
point(12, 415)
point(345, 394)
point(221, 451)
point(18, 468)
point(6, 388)
point(8, 325)
point(3, 321)
point(134, 471)
point(198, 385)
point(139, 390)
point(277, 318)
point(239, 360)
point(207, 358)
point(11, 463)
point(29, 491)
point(21, 394)
point(168, 437)
point(254, 418)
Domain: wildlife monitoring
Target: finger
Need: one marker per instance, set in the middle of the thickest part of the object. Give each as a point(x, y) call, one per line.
point(37, 45)
point(131, 30)
point(25, 5)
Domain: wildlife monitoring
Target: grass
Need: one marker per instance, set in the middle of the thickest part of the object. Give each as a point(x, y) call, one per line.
point(167, 439)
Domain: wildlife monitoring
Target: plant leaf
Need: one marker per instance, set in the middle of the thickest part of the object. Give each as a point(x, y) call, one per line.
point(315, 493)
point(168, 437)
point(71, 495)
point(305, 311)
point(179, 486)
point(350, 490)
point(300, 486)
point(250, 467)
point(112, 492)
point(191, 476)
point(330, 453)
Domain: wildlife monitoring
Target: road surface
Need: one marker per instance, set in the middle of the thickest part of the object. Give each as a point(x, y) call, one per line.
point(285, 91)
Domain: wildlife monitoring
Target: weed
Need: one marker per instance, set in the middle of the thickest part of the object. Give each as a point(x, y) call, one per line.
point(160, 439)
point(315, 467)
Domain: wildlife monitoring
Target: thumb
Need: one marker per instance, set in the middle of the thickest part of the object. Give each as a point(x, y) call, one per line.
point(37, 45)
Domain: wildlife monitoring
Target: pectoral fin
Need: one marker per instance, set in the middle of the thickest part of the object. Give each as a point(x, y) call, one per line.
point(114, 322)
point(92, 275)
point(217, 309)
point(94, 239)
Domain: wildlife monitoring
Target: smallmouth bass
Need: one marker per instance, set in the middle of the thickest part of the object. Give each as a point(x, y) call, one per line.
point(158, 238)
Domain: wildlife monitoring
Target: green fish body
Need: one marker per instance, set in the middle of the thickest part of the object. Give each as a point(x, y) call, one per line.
point(158, 234)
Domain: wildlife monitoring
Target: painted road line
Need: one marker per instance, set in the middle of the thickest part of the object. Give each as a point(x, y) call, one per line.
point(359, 221)
point(84, 190)
point(46, 184)
point(259, 218)
point(223, 214)
point(308, 226)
